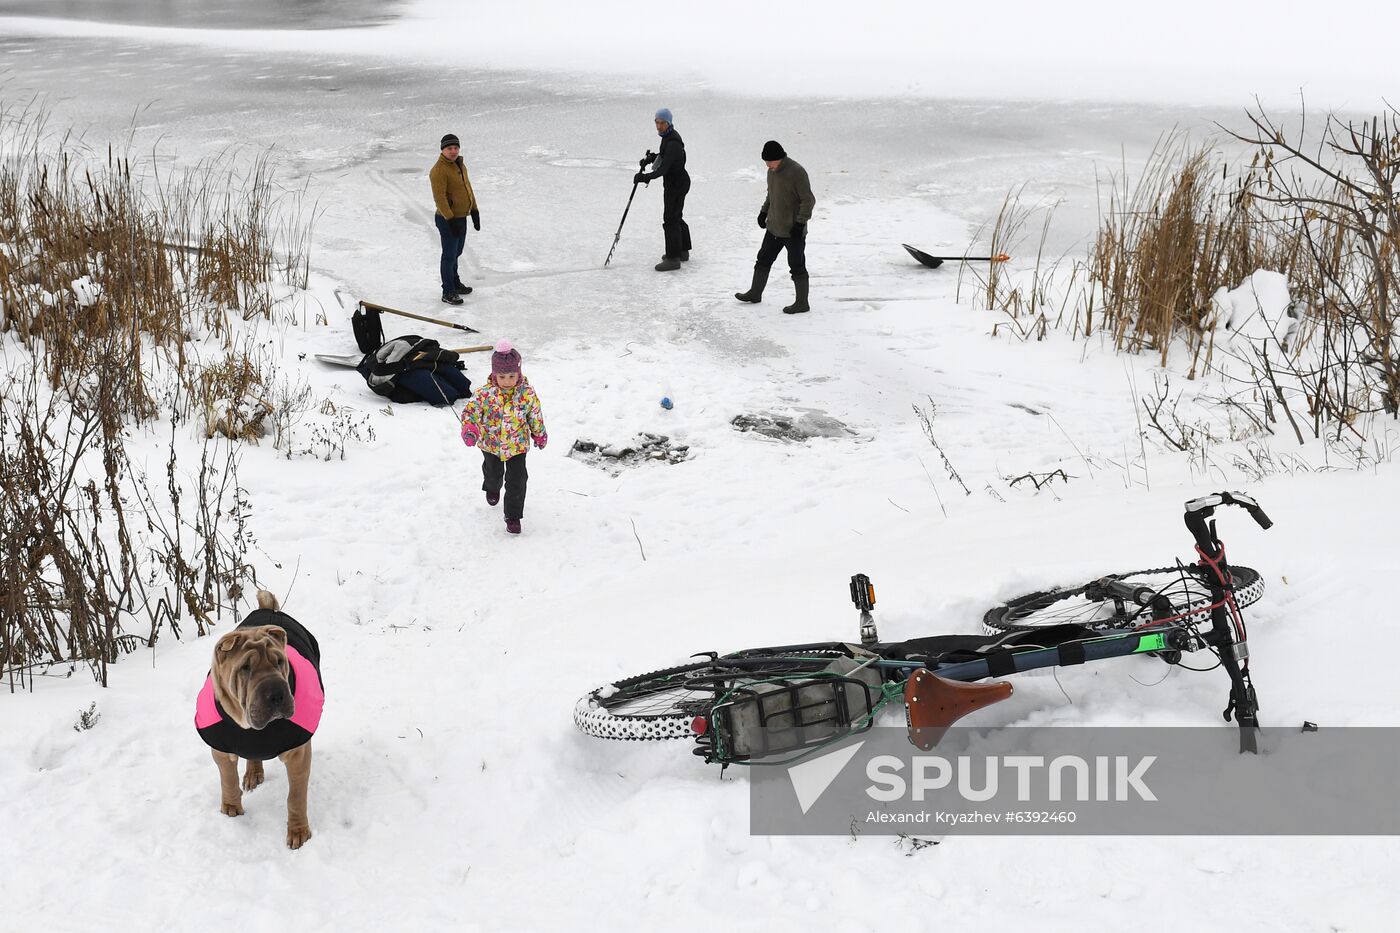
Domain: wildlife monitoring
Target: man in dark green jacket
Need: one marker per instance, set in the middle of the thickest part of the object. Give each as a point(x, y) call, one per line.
point(670, 167)
point(784, 217)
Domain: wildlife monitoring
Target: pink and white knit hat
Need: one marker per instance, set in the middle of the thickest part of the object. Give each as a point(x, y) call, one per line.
point(506, 359)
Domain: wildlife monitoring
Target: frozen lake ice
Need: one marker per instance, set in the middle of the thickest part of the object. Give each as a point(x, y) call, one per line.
point(361, 131)
point(213, 14)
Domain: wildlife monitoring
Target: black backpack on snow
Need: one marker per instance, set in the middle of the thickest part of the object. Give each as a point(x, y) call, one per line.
point(369, 331)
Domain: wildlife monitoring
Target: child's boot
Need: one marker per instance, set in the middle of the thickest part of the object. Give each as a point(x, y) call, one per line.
point(513, 526)
point(493, 497)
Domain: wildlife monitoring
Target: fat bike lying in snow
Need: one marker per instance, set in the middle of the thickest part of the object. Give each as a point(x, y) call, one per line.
point(792, 699)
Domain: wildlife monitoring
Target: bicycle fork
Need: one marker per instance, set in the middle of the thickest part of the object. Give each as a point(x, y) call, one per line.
point(1233, 652)
point(1227, 633)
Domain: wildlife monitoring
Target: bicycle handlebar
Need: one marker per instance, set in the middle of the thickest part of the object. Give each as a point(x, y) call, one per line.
point(1198, 511)
point(1204, 507)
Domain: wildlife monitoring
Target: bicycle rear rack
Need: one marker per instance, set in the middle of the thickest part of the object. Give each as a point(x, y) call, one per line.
point(776, 717)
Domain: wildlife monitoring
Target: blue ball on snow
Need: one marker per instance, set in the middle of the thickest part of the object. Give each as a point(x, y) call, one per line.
point(666, 403)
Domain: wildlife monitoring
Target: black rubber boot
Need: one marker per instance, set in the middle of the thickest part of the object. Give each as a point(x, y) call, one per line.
point(671, 259)
point(800, 305)
point(760, 281)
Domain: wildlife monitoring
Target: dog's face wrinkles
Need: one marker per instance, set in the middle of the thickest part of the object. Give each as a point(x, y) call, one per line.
point(252, 676)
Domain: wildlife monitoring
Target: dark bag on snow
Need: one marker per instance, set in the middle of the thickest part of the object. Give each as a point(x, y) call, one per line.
point(382, 367)
point(369, 330)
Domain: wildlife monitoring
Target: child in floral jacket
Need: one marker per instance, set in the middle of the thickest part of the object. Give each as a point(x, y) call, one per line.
point(502, 418)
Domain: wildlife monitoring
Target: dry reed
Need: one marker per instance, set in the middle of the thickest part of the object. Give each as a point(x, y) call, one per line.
point(109, 275)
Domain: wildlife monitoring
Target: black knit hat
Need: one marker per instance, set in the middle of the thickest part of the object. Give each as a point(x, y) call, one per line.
point(449, 140)
point(772, 151)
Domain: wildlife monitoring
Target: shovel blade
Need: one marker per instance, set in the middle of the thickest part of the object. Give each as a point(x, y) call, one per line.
point(931, 261)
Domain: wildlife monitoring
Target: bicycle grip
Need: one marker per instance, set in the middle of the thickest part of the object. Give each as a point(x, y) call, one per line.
point(1250, 505)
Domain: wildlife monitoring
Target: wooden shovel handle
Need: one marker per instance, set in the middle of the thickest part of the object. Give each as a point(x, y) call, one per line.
point(371, 306)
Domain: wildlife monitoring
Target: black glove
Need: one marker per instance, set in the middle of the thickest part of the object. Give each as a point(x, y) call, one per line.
point(799, 230)
point(649, 158)
point(476, 219)
point(640, 177)
point(763, 219)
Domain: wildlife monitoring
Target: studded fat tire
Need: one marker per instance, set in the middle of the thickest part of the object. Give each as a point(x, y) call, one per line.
point(600, 722)
point(1249, 586)
point(593, 717)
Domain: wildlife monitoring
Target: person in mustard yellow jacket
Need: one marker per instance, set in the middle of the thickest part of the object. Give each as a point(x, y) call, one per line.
point(455, 202)
point(503, 418)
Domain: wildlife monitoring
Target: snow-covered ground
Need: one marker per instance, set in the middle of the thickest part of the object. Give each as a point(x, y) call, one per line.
point(450, 789)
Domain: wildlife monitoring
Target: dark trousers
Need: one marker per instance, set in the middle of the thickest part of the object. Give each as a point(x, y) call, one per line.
point(672, 223)
point(454, 238)
point(494, 469)
point(796, 246)
point(436, 387)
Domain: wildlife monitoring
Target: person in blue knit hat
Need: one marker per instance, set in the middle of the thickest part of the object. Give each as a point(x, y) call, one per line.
point(669, 165)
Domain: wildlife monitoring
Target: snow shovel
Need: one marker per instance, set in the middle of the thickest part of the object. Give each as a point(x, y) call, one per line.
point(618, 235)
point(370, 321)
point(933, 262)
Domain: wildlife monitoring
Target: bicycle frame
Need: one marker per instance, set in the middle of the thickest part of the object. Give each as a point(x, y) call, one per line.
point(808, 710)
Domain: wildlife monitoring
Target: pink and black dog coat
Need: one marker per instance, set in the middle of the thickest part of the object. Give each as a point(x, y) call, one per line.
point(281, 735)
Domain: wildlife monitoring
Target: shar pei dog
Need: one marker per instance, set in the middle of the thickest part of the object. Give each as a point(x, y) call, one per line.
point(262, 699)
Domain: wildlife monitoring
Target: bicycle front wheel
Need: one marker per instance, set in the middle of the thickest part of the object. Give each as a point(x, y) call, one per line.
point(1184, 586)
point(663, 704)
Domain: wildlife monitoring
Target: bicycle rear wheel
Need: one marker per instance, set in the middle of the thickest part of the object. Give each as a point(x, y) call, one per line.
point(663, 704)
point(1184, 586)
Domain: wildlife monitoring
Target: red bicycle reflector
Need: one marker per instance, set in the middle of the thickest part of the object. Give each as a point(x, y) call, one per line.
point(699, 725)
